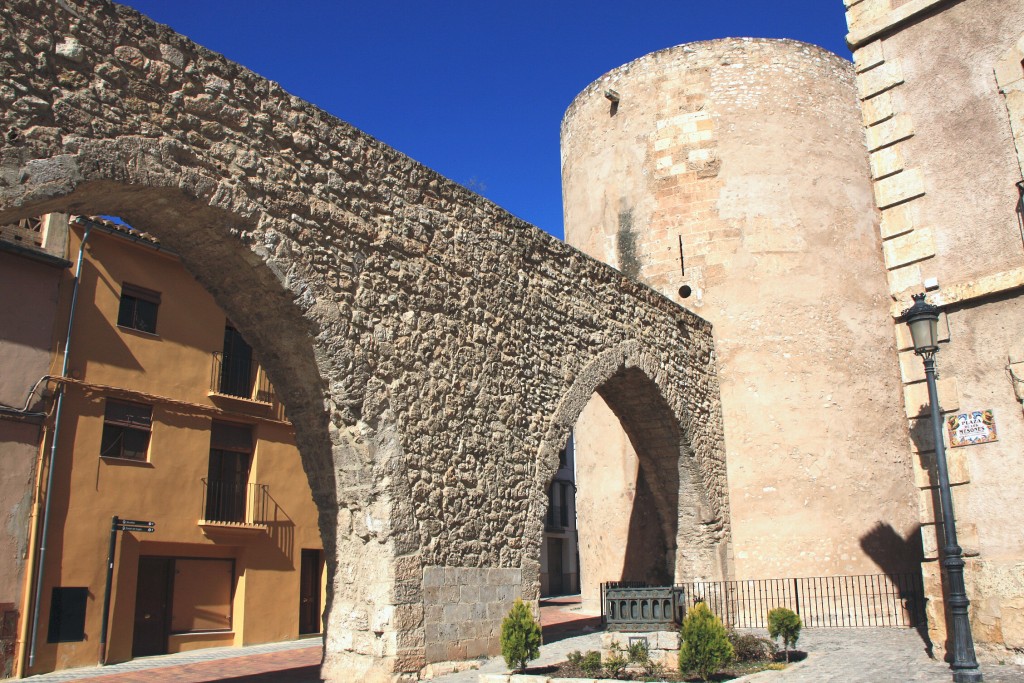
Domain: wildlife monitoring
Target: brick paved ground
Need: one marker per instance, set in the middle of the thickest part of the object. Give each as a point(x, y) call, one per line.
point(292, 662)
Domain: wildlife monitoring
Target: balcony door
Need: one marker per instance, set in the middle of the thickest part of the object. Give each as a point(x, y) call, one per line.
point(228, 476)
point(237, 374)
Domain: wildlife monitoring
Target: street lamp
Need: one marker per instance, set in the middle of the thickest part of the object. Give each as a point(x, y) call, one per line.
point(922, 319)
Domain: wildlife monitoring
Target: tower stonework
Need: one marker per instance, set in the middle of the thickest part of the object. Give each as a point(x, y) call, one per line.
point(734, 171)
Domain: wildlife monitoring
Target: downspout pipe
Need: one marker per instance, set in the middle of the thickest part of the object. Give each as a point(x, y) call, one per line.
point(41, 561)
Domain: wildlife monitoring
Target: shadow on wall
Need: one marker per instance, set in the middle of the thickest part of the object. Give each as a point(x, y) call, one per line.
point(646, 553)
point(896, 555)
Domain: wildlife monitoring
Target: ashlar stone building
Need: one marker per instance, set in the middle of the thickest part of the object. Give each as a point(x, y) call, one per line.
point(797, 201)
point(433, 352)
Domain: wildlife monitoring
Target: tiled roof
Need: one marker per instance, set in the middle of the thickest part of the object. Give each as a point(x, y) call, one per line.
point(111, 226)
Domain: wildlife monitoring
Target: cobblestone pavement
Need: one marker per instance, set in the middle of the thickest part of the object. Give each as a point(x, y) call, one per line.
point(833, 656)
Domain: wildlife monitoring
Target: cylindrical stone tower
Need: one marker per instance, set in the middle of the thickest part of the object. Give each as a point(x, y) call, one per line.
point(732, 176)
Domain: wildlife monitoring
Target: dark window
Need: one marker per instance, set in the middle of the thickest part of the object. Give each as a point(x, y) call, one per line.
point(138, 308)
point(563, 459)
point(67, 615)
point(126, 429)
point(238, 372)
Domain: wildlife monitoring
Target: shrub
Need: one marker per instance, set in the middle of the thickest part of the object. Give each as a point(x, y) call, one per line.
point(520, 636)
point(589, 663)
point(750, 648)
point(615, 664)
point(785, 624)
point(705, 646)
point(637, 652)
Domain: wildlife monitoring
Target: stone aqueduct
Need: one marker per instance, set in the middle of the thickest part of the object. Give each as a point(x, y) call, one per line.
point(433, 351)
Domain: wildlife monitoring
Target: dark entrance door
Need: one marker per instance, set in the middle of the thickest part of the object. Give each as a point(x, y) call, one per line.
point(152, 600)
point(309, 592)
point(556, 583)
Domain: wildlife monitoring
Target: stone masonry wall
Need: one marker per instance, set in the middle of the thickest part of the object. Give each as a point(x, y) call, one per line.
point(432, 350)
point(941, 89)
point(464, 608)
point(738, 169)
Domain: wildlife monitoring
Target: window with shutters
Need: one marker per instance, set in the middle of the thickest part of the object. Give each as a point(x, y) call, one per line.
point(138, 308)
point(126, 430)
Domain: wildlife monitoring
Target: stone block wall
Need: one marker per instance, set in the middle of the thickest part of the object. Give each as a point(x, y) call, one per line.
point(463, 608)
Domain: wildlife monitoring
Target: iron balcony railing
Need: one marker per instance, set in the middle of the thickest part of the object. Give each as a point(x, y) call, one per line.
point(240, 376)
point(228, 502)
point(822, 602)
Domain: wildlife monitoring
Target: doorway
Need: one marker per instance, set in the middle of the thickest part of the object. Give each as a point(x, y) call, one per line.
point(152, 600)
point(311, 571)
point(556, 573)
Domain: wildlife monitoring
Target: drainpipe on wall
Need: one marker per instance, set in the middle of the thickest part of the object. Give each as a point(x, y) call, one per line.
point(36, 593)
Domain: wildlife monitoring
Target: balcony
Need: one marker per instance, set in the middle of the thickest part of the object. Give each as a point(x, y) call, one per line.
point(234, 505)
point(240, 377)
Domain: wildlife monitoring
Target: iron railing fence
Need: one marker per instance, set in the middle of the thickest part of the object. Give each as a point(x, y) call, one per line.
point(240, 376)
point(822, 602)
point(235, 503)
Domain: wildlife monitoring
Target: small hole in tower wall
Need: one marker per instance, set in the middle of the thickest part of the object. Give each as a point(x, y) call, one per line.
point(685, 291)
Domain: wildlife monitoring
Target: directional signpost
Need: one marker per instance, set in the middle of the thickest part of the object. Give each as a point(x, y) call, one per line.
point(117, 524)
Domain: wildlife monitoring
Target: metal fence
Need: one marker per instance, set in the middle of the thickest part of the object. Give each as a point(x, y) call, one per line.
point(822, 602)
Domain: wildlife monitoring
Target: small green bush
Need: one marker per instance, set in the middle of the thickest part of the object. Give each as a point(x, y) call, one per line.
point(785, 624)
point(705, 646)
point(637, 652)
point(750, 648)
point(615, 664)
point(589, 663)
point(520, 636)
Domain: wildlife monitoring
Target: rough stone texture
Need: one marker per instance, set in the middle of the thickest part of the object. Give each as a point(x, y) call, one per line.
point(751, 153)
point(432, 350)
point(963, 117)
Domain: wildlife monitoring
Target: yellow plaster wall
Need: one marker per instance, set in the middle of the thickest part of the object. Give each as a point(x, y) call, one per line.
point(170, 371)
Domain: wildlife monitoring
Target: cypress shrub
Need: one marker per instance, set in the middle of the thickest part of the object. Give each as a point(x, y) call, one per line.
point(705, 646)
point(520, 636)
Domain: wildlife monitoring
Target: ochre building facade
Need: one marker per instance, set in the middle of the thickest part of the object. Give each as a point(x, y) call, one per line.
point(166, 417)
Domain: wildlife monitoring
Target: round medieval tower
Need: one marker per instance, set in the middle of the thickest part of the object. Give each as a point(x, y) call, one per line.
point(732, 176)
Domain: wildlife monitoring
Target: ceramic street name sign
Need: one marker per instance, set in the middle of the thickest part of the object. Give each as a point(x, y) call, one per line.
point(968, 429)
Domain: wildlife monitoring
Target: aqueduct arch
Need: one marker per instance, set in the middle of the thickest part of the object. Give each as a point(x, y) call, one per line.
point(427, 344)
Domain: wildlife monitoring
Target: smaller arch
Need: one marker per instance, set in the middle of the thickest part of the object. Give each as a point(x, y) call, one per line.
point(670, 508)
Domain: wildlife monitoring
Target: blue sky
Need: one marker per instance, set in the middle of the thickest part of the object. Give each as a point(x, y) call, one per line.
point(474, 89)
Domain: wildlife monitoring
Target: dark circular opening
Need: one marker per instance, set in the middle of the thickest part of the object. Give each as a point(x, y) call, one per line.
point(685, 291)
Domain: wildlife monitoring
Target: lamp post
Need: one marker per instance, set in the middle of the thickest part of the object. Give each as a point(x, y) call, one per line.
point(922, 319)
